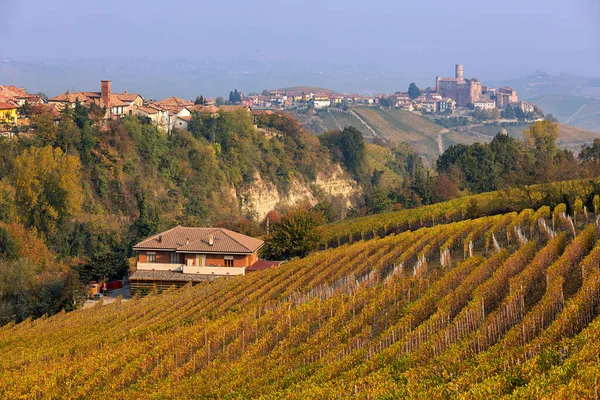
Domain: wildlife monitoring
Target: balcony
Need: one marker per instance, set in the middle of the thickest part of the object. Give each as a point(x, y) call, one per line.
point(159, 267)
point(214, 270)
point(190, 269)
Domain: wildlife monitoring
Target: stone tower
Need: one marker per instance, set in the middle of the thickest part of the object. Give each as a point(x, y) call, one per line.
point(459, 71)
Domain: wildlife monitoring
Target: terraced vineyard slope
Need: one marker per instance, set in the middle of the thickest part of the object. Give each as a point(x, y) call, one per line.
point(496, 306)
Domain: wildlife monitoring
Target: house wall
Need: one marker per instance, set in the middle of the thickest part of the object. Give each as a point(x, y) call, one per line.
point(164, 257)
point(161, 256)
point(8, 116)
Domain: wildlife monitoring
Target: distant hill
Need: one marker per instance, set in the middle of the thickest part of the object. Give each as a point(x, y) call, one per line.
point(307, 89)
point(578, 111)
point(573, 99)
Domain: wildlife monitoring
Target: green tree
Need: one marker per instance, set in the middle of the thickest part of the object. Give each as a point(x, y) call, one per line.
point(377, 200)
point(8, 249)
point(413, 91)
point(294, 236)
point(352, 146)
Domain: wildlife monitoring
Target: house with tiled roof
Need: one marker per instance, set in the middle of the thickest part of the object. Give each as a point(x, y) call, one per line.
point(8, 113)
point(185, 254)
point(155, 113)
point(117, 104)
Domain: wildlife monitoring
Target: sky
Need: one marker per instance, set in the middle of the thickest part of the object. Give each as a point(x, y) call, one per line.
point(386, 41)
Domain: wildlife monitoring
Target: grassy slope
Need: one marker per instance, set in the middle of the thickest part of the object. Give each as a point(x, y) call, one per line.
point(419, 132)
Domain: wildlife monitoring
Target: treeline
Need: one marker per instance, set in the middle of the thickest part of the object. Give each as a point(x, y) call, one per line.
point(507, 162)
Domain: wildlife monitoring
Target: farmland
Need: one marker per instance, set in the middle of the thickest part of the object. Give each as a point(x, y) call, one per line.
point(504, 304)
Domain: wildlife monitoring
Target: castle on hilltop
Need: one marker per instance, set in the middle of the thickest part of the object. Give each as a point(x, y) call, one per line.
point(463, 91)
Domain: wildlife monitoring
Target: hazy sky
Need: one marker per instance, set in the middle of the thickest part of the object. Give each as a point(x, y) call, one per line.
point(500, 39)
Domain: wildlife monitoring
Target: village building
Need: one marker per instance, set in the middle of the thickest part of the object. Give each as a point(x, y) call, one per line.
point(321, 103)
point(463, 91)
point(8, 113)
point(116, 104)
point(484, 104)
point(155, 114)
point(183, 254)
point(506, 96)
point(18, 96)
point(526, 107)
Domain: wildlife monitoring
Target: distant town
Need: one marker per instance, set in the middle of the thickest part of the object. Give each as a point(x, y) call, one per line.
point(452, 98)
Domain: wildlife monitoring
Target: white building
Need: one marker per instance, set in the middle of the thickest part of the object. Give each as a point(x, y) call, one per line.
point(484, 104)
point(322, 103)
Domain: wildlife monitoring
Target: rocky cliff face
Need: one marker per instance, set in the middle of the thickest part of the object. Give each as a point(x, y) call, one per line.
point(262, 197)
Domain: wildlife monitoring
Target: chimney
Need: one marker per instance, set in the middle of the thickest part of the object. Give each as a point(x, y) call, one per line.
point(105, 94)
point(437, 84)
point(187, 240)
point(211, 240)
point(459, 71)
point(159, 238)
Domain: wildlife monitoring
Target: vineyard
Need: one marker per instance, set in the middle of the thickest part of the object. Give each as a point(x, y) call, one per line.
point(484, 204)
point(500, 305)
point(334, 118)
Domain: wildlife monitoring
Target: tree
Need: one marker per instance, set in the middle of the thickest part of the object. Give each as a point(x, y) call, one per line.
point(104, 266)
point(413, 91)
point(48, 190)
point(235, 97)
point(8, 249)
point(219, 101)
point(376, 200)
point(80, 114)
point(200, 101)
point(294, 236)
point(542, 135)
point(352, 146)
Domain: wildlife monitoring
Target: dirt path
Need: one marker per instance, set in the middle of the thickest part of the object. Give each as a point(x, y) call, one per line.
point(440, 140)
point(576, 112)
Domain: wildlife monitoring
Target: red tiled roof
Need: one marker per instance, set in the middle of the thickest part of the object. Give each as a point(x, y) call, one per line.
point(128, 97)
point(7, 106)
point(261, 265)
point(147, 109)
point(199, 240)
point(115, 101)
point(203, 109)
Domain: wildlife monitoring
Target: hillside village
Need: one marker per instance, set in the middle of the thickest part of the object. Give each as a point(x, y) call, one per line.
point(451, 97)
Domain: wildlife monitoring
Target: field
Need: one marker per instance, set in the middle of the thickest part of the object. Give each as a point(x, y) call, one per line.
point(501, 305)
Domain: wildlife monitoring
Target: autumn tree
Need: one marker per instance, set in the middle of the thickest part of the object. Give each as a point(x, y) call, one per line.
point(542, 137)
point(48, 190)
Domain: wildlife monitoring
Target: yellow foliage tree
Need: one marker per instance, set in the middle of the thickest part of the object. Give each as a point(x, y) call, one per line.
point(542, 136)
point(47, 185)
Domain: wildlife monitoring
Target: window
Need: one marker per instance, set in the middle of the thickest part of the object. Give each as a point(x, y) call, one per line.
point(151, 257)
point(174, 258)
point(229, 261)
